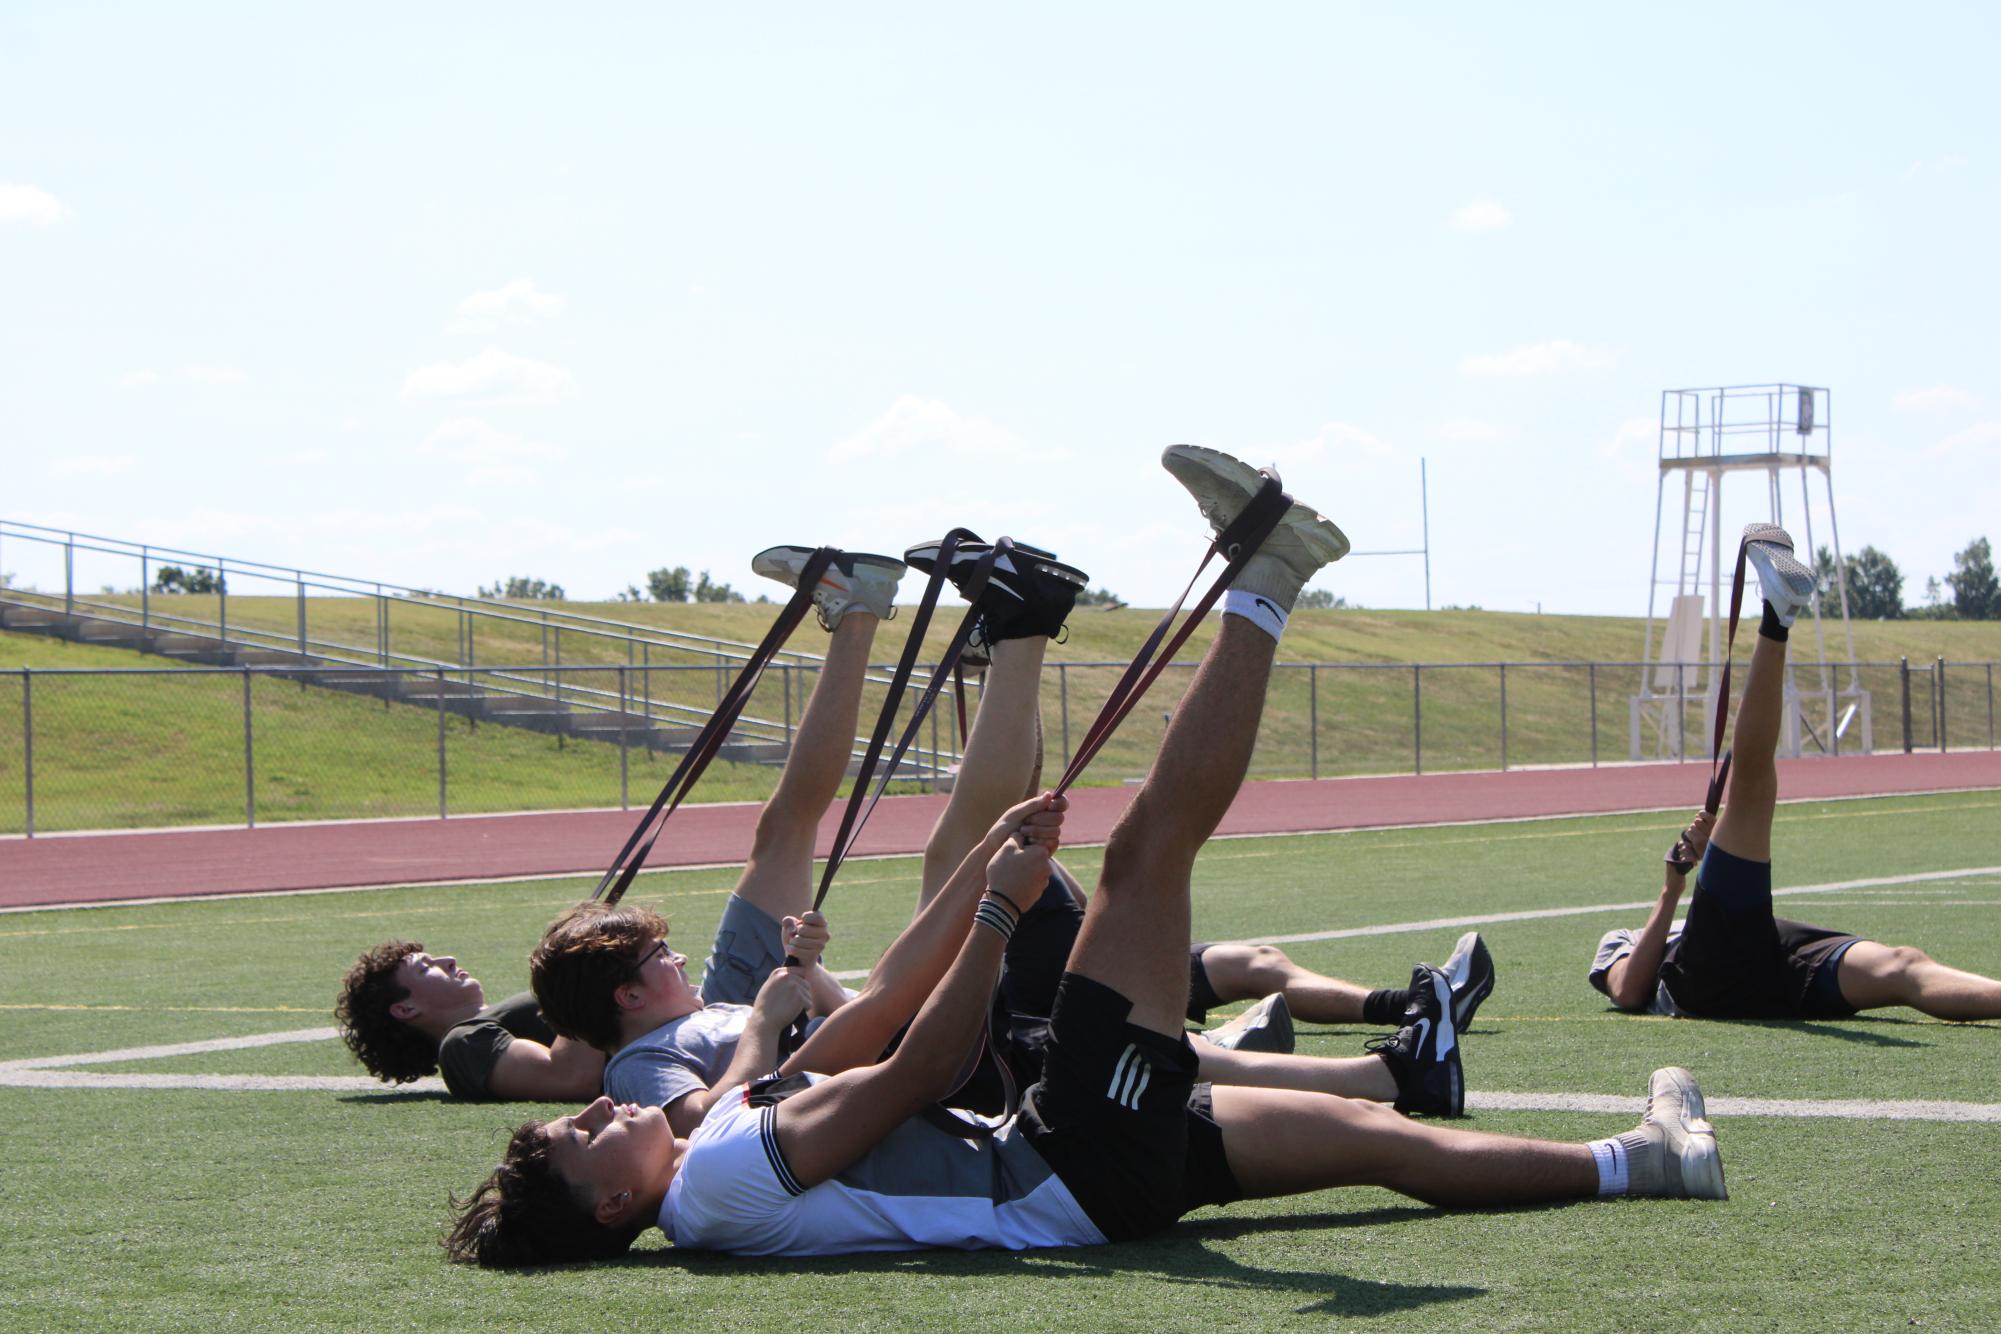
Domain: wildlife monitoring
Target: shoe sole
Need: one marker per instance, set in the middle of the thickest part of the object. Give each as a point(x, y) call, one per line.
point(1221, 483)
point(1776, 567)
point(1465, 1004)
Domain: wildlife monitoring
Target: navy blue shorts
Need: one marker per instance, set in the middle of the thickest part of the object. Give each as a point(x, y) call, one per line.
point(1735, 960)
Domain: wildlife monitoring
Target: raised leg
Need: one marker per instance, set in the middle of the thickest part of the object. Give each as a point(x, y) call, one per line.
point(1745, 826)
point(1000, 757)
point(1873, 976)
point(1136, 930)
point(779, 875)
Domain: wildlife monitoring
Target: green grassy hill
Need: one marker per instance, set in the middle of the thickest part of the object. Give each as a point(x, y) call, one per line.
point(142, 751)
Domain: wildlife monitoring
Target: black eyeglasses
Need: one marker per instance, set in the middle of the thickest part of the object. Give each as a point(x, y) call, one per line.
point(658, 946)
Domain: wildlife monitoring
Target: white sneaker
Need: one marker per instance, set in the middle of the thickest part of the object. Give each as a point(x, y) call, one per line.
point(1674, 1152)
point(856, 580)
point(1266, 1026)
point(1782, 580)
point(1298, 547)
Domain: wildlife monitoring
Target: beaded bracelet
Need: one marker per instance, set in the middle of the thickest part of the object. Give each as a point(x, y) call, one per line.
point(993, 912)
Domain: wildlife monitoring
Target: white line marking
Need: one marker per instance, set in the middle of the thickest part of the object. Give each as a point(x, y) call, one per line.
point(81, 1079)
point(173, 1049)
point(1851, 1109)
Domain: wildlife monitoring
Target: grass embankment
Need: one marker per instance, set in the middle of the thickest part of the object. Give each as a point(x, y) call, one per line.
point(136, 752)
point(194, 1208)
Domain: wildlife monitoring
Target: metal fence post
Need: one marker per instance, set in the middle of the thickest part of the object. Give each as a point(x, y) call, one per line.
point(1063, 698)
point(69, 574)
point(222, 599)
point(1681, 713)
point(624, 719)
point(145, 590)
point(932, 785)
point(1904, 679)
point(1313, 718)
point(1504, 717)
point(28, 742)
point(441, 742)
point(249, 763)
point(1938, 693)
point(1591, 671)
point(1416, 719)
point(785, 688)
point(302, 619)
point(1990, 706)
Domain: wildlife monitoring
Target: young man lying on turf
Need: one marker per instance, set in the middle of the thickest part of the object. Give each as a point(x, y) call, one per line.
point(606, 976)
point(1117, 1139)
point(405, 1013)
point(1731, 958)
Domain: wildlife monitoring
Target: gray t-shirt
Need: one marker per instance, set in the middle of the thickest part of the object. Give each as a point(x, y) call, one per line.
point(680, 1057)
point(1616, 945)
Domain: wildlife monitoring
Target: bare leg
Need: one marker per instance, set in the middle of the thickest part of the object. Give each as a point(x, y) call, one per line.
point(1873, 976)
point(1248, 972)
point(1000, 755)
point(1745, 827)
point(1135, 934)
point(779, 875)
point(1280, 1142)
point(1347, 1077)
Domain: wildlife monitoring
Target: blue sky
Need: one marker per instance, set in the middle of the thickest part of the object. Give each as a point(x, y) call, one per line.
point(439, 293)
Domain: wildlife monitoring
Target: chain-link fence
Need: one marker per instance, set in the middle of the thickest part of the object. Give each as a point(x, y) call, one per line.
point(99, 749)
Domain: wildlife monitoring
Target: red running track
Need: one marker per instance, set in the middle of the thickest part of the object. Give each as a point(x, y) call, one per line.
point(95, 868)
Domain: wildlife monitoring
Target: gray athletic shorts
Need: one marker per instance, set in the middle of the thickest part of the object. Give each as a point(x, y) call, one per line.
point(746, 949)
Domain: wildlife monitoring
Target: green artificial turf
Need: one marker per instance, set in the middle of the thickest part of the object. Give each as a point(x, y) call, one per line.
point(188, 1209)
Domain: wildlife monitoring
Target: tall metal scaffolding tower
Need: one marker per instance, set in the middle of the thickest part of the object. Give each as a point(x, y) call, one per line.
point(1706, 434)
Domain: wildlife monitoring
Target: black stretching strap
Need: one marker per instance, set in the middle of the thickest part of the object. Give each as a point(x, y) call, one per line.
point(710, 739)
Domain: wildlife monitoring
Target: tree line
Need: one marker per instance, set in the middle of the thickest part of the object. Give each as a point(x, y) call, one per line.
point(1972, 592)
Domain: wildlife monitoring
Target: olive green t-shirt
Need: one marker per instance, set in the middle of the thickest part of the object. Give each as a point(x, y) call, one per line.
point(472, 1049)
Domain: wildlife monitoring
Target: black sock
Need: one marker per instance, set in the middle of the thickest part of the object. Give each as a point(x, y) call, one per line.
point(1770, 627)
point(1386, 1007)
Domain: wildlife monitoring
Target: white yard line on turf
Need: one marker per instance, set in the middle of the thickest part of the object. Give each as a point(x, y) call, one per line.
point(1850, 1109)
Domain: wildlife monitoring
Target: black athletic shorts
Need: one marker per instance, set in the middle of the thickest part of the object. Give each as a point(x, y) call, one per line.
point(1119, 1116)
point(1736, 961)
point(1202, 996)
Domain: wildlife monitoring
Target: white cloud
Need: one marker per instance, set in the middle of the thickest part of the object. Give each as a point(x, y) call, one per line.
point(512, 379)
point(195, 374)
point(1985, 433)
point(1340, 442)
point(1482, 215)
point(30, 207)
point(92, 465)
point(1937, 399)
point(1934, 166)
point(912, 423)
point(1548, 358)
point(516, 302)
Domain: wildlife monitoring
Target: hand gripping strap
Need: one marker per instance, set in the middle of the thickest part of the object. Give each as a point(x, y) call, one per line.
point(611, 887)
point(1238, 543)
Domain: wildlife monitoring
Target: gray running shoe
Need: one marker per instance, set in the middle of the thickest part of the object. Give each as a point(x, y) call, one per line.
point(856, 580)
point(1782, 580)
point(1674, 1153)
point(1266, 1026)
point(1302, 543)
point(1470, 969)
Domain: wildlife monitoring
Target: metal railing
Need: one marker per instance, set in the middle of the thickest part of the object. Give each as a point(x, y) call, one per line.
point(86, 749)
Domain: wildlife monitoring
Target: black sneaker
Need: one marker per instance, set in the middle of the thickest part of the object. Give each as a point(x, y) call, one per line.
point(1470, 970)
point(1029, 592)
point(1423, 1055)
point(1266, 1026)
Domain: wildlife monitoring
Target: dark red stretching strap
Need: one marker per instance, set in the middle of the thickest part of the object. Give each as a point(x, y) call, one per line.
point(1238, 542)
point(861, 802)
point(1719, 759)
point(710, 739)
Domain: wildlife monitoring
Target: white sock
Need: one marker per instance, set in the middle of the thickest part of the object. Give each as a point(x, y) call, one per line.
point(1259, 610)
point(1611, 1157)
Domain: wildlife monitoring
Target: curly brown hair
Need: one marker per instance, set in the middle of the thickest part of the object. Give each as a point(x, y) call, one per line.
point(584, 957)
point(392, 1050)
point(526, 1214)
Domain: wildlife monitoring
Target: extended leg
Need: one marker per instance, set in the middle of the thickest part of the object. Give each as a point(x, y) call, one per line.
point(1000, 754)
point(1745, 826)
point(1246, 972)
point(1345, 1076)
point(1873, 976)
